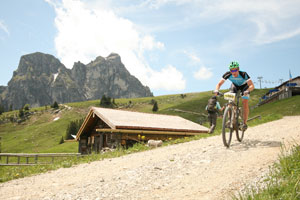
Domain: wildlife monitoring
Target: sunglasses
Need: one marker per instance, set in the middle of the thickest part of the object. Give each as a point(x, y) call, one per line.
point(234, 70)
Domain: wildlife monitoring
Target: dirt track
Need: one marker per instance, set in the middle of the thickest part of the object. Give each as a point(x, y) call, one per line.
point(201, 169)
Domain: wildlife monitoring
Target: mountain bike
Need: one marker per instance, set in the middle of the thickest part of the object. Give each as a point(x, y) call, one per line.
point(232, 118)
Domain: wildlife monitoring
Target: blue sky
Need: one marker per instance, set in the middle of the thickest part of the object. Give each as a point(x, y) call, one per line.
point(172, 46)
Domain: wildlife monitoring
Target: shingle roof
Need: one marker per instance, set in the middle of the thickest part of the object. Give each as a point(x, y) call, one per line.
point(120, 119)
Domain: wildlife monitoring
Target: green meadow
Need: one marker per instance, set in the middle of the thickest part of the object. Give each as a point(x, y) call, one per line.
point(41, 133)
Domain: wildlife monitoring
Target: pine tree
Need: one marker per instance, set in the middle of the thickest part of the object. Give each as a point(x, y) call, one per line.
point(1, 109)
point(21, 113)
point(61, 140)
point(55, 105)
point(73, 128)
point(155, 107)
point(106, 102)
point(26, 107)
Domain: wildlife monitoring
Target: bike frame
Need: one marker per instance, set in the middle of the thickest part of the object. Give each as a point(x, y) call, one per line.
point(232, 114)
point(235, 105)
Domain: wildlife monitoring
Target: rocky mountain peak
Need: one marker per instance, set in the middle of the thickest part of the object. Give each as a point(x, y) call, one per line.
point(39, 63)
point(42, 79)
point(114, 58)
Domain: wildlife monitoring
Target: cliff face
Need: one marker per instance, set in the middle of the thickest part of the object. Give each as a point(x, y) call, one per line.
point(109, 76)
point(42, 79)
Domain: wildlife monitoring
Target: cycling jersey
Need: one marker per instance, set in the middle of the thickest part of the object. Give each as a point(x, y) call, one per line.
point(241, 79)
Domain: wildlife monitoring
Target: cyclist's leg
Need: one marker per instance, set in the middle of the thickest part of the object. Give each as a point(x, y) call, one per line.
point(245, 110)
point(245, 100)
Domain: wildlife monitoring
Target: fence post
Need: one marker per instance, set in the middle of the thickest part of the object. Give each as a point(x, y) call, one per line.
point(36, 159)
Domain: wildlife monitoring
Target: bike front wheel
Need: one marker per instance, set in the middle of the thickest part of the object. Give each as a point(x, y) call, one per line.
point(240, 131)
point(227, 126)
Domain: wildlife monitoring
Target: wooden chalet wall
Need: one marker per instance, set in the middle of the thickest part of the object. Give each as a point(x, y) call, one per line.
point(92, 140)
point(111, 128)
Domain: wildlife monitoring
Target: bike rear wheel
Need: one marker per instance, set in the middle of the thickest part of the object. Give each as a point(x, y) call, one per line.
point(239, 131)
point(227, 126)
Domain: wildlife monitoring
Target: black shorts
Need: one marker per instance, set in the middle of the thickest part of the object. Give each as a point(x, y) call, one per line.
point(242, 88)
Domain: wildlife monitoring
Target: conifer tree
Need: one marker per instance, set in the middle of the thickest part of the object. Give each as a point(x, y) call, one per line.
point(61, 140)
point(155, 107)
point(55, 105)
point(1, 109)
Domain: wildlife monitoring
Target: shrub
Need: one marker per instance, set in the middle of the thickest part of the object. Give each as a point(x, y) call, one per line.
point(55, 105)
point(61, 140)
point(106, 102)
point(155, 107)
point(21, 113)
point(73, 128)
point(1, 109)
point(26, 107)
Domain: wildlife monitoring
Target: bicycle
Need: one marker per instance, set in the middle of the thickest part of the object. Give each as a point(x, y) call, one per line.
point(232, 118)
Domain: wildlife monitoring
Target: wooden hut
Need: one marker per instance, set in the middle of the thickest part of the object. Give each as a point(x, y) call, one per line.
point(285, 90)
point(105, 127)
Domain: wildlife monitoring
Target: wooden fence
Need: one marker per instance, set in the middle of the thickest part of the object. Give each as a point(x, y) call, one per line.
point(34, 158)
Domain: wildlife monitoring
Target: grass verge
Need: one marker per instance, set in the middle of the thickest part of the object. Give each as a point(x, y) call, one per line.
point(283, 182)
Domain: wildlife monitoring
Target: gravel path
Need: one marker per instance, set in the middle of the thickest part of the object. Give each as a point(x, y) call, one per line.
point(201, 169)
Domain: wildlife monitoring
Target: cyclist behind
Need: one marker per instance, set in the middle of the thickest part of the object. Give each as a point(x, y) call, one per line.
point(240, 81)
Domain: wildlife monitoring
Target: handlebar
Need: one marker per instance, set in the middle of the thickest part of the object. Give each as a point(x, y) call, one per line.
point(220, 94)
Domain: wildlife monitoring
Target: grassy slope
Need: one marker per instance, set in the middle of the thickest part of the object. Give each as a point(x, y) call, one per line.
point(42, 134)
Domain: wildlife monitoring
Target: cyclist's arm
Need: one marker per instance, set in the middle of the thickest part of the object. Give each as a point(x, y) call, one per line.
point(218, 86)
point(251, 85)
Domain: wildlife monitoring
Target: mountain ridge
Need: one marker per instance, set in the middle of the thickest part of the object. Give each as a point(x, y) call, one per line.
point(41, 79)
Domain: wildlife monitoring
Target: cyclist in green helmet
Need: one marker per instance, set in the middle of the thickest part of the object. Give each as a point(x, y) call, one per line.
point(240, 81)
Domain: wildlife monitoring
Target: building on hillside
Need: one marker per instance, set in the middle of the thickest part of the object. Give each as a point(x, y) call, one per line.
point(285, 90)
point(111, 128)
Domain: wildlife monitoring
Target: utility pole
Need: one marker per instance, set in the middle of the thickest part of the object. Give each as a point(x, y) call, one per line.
point(259, 79)
point(280, 80)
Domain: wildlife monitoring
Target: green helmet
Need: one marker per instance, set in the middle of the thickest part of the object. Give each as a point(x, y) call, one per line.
point(233, 65)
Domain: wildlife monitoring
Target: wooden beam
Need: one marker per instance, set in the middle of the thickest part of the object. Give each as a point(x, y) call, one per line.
point(39, 154)
point(145, 132)
point(16, 164)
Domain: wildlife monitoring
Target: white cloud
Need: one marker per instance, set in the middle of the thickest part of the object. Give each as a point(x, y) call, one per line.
point(85, 32)
point(4, 27)
point(169, 78)
point(203, 73)
point(282, 36)
point(193, 57)
point(273, 20)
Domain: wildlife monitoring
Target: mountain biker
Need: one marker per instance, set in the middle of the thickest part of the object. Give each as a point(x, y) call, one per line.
point(240, 81)
point(212, 108)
